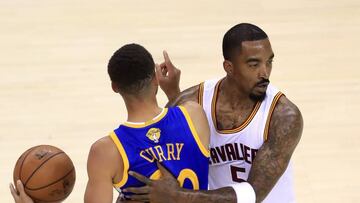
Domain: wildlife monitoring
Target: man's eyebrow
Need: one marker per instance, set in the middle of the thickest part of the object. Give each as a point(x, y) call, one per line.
point(252, 60)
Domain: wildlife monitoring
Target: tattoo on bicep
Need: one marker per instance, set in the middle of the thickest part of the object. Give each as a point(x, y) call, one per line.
point(273, 157)
point(190, 94)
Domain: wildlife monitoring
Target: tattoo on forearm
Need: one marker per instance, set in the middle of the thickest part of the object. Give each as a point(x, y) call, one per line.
point(221, 195)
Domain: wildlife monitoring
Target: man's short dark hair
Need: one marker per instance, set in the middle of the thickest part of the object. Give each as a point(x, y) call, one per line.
point(132, 68)
point(236, 35)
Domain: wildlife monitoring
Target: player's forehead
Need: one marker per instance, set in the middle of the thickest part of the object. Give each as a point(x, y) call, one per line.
point(256, 48)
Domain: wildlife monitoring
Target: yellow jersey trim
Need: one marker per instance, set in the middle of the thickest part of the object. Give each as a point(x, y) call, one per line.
point(237, 129)
point(156, 175)
point(124, 157)
point(204, 150)
point(149, 122)
point(271, 111)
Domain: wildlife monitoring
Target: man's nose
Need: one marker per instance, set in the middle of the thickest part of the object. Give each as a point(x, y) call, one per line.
point(264, 72)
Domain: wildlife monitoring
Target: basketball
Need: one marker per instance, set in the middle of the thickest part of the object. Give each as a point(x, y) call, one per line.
point(47, 173)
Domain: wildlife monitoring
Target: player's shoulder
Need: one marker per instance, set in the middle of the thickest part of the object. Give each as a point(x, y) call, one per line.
point(193, 111)
point(192, 107)
point(286, 117)
point(196, 113)
point(104, 149)
point(102, 145)
point(104, 160)
point(196, 117)
point(286, 108)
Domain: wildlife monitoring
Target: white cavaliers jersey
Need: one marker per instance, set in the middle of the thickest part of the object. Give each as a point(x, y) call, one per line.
point(232, 152)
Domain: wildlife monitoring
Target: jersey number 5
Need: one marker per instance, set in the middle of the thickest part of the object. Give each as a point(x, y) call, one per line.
point(234, 173)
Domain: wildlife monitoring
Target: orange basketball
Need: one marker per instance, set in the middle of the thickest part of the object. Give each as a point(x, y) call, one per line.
point(47, 173)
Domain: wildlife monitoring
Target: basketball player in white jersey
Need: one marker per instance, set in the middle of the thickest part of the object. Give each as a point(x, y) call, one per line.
point(254, 127)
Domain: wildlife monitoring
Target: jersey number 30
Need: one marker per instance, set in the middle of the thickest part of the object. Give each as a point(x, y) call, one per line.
point(183, 175)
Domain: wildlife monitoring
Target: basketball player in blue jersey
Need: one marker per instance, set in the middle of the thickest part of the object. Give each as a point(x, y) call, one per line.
point(177, 138)
point(174, 138)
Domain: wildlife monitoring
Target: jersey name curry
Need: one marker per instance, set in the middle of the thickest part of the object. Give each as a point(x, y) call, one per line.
point(170, 139)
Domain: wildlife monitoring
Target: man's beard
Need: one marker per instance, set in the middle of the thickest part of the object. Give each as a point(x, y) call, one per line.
point(257, 98)
point(261, 96)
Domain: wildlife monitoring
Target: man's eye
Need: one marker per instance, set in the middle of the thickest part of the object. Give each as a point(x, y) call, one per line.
point(253, 64)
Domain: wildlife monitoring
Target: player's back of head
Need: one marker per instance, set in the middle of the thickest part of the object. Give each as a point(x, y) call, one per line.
point(234, 37)
point(132, 69)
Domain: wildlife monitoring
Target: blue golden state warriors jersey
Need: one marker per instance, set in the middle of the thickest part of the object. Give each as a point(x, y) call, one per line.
point(170, 139)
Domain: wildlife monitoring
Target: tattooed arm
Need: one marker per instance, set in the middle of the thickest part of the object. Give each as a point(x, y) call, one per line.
point(273, 157)
point(190, 94)
point(167, 189)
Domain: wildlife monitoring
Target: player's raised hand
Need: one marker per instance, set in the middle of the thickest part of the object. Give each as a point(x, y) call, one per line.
point(19, 195)
point(168, 77)
point(159, 191)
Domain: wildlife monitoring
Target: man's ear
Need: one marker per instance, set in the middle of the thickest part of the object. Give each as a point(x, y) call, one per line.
point(155, 81)
point(228, 67)
point(114, 87)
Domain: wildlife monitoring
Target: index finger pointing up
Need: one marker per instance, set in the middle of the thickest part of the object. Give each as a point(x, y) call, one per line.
point(167, 58)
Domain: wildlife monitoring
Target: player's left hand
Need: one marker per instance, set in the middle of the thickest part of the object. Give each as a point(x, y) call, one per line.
point(159, 191)
point(19, 195)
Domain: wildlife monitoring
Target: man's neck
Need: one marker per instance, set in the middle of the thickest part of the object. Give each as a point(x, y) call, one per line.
point(232, 94)
point(141, 110)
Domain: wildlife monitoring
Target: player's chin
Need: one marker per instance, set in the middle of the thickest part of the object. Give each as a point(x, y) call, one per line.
point(258, 94)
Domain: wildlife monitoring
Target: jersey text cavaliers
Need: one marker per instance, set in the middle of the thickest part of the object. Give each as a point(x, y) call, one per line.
point(232, 152)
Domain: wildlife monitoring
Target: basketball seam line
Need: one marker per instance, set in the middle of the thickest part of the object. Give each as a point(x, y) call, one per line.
point(42, 187)
point(40, 167)
point(56, 200)
point(22, 163)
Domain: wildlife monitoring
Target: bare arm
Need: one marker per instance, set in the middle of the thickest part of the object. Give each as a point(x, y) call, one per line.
point(190, 94)
point(101, 171)
point(221, 195)
point(273, 157)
